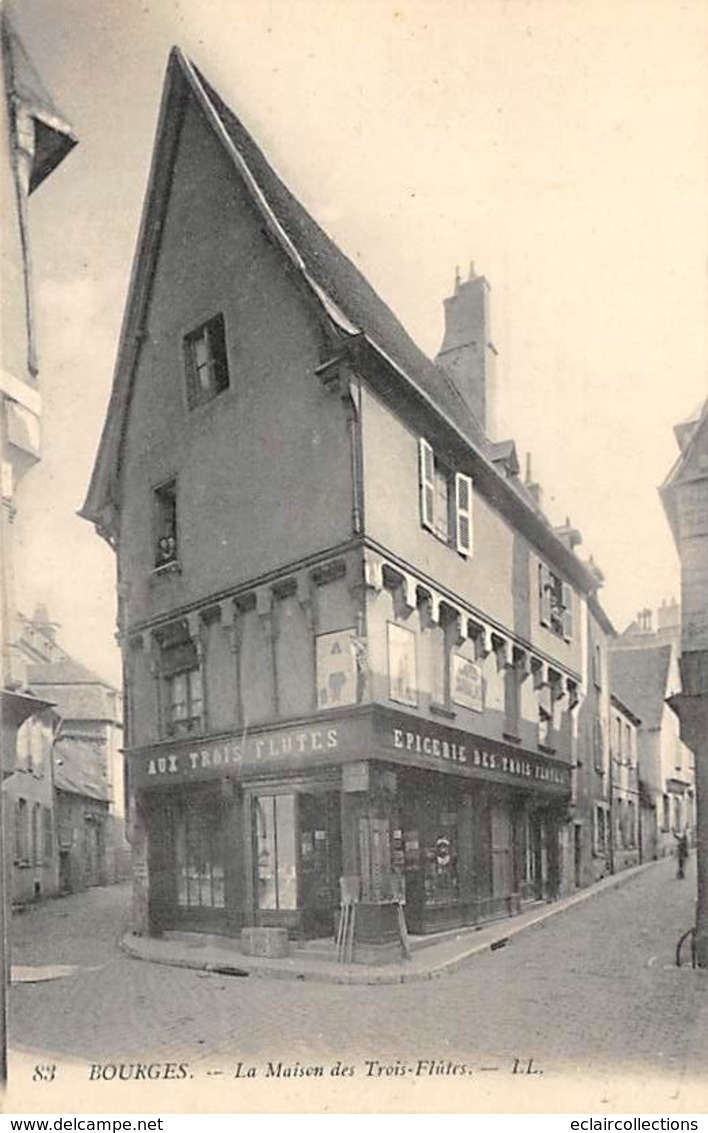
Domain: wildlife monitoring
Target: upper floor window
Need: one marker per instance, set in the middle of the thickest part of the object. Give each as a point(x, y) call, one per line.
point(182, 677)
point(21, 831)
point(618, 738)
point(597, 665)
point(165, 509)
point(206, 362)
point(445, 500)
point(556, 603)
point(598, 743)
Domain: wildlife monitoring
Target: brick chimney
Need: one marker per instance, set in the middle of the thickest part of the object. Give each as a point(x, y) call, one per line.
point(533, 488)
point(668, 617)
point(467, 353)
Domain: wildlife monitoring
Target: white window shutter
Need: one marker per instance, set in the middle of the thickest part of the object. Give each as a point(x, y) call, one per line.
point(567, 612)
point(463, 513)
point(426, 462)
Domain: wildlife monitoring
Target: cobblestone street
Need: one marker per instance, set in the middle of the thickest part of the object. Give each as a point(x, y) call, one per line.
point(590, 991)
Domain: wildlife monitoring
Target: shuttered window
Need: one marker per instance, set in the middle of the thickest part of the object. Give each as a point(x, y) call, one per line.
point(567, 612)
point(426, 461)
point(445, 500)
point(463, 513)
point(555, 603)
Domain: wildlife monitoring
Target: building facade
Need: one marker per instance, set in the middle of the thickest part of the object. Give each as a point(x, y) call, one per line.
point(87, 773)
point(64, 797)
point(34, 140)
point(684, 495)
point(625, 815)
point(354, 647)
point(592, 794)
point(645, 673)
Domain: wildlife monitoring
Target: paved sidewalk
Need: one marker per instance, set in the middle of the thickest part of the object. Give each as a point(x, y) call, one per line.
point(432, 956)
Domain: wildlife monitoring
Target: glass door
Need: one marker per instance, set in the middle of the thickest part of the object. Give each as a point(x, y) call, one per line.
point(320, 844)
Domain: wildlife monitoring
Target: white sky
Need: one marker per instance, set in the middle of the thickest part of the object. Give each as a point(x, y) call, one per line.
point(561, 145)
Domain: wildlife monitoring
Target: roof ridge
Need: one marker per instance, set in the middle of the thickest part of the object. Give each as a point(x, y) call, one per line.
point(230, 119)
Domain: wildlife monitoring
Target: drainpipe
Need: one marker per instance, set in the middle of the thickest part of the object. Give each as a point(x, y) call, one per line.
point(612, 816)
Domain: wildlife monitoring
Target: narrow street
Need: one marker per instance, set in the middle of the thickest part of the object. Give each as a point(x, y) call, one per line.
point(591, 990)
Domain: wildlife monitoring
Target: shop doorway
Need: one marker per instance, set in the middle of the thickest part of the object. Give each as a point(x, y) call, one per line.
point(320, 862)
point(298, 860)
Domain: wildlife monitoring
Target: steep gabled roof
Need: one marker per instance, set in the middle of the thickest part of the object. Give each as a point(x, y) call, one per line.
point(63, 672)
point(77, 693)
point(79, 769)
point(690, 434)
point(340, 279)
point(345, 296)
point(639, 676)
point(53, 137)
point(354, 311)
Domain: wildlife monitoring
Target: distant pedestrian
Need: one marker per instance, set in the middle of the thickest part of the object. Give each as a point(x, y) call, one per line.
point(681, 854)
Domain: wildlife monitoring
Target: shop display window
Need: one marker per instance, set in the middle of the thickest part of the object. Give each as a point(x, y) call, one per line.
point(528, 855)
point(276, 852)
point(200, 858)
point(441, 880)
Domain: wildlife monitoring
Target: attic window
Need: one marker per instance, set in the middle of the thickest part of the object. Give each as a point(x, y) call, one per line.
point(165, 518)
point(206, 363)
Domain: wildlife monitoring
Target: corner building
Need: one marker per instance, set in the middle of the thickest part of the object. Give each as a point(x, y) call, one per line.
point(353, 645)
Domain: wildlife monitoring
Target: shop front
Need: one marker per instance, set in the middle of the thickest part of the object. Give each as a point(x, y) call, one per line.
point(259, 830)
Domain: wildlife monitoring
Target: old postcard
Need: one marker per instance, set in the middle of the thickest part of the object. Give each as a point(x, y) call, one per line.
point(354, 556)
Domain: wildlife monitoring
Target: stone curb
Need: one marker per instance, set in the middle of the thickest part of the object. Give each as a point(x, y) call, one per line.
point(327, 971)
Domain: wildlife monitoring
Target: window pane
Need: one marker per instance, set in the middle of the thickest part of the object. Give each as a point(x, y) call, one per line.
point(265, 848)
point(442, 505)
point(217, 881)
point(178, 695)
point(194, 680)
point(206, 362)
point(199, 857)
point(287, 863)
point(441, 858)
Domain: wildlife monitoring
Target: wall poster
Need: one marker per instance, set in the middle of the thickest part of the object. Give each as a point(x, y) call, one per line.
point(403, 684)
point(467, 683)
point(336, 669)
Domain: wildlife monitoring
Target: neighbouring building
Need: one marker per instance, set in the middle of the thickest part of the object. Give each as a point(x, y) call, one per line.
point(644, 673)
point(354, 647)
point(87, 762)
point(624, 817)
point(684, 495)
point(30, 812)
point(65, 797)
point(35, 140)
point(591, 812)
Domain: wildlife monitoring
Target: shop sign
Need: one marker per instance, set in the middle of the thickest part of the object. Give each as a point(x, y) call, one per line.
point(403, 685)
point(336, 668)
point(426, 744)
point(216, 758)
point(467, 683)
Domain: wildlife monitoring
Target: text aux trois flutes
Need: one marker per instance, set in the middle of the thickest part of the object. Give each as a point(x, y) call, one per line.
point(232, 753)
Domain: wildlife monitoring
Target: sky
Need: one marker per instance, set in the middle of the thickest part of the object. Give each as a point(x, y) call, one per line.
point(561, 146)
